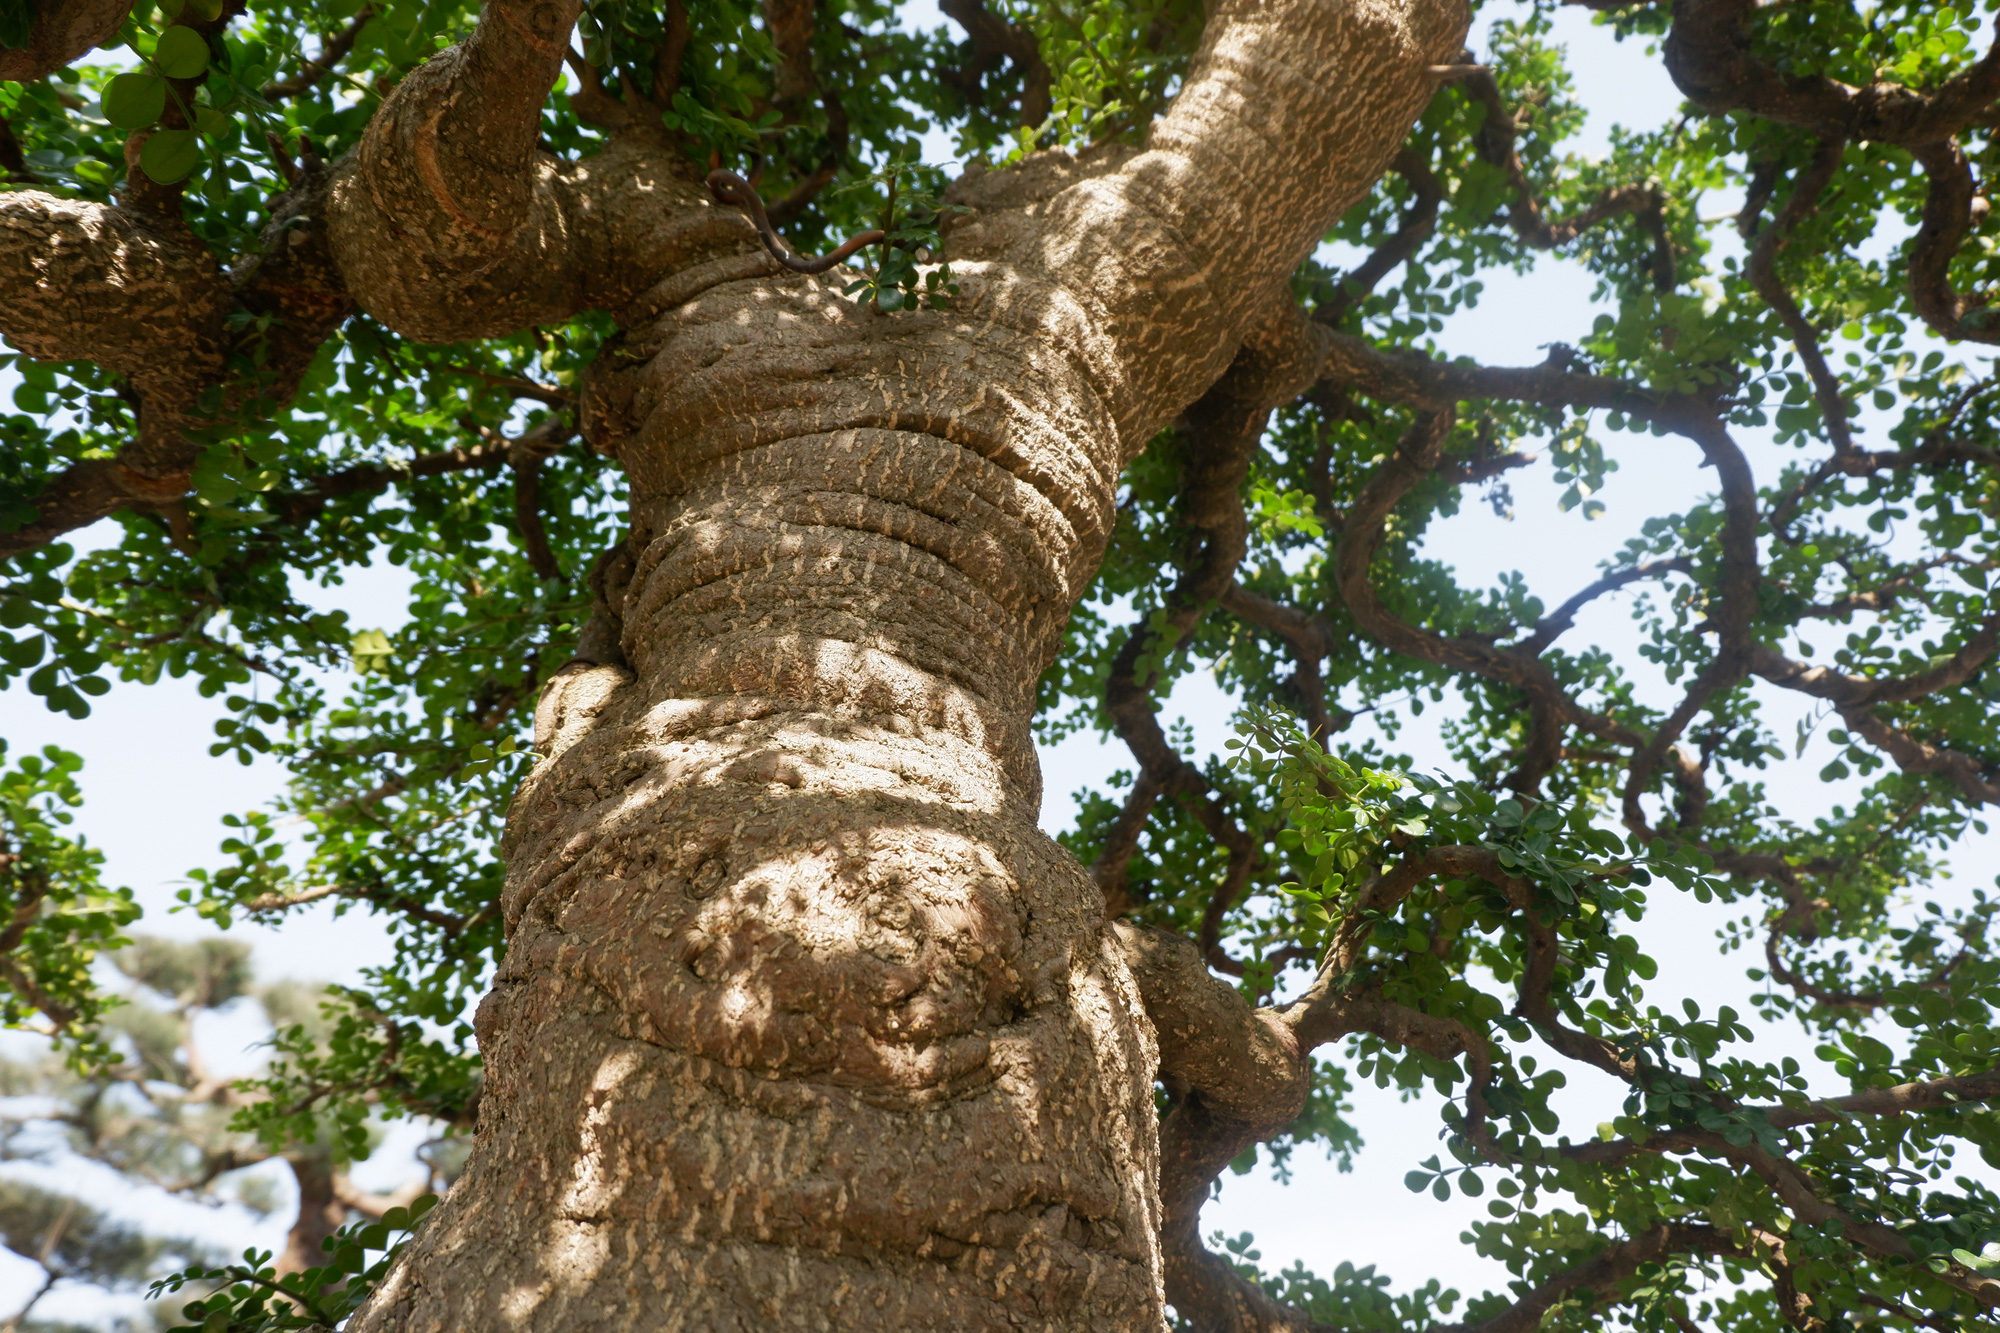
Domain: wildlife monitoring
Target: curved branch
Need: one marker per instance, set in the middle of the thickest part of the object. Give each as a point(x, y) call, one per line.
point(1912, 755)
point(1708, 55)
point(994, 38)
point(1847, 691)
point(451, 225)
point(1419, 381)
point(1494, 142)
point(1736, 602)
point(730, 188)
point(1550, 707)
point(1418, 222)
point(1276, 364)
point(1605, 1272)
point(1558, 622)
point(1763, 272)
point(1949, 200)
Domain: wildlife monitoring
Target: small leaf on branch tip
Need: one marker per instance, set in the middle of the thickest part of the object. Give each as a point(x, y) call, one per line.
point(169, 155)
point(182, 53)
point(134, 101)
point(1415, 1181)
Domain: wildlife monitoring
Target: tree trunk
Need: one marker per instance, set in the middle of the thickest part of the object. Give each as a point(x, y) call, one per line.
point(320, 1214)
point(803, 1022)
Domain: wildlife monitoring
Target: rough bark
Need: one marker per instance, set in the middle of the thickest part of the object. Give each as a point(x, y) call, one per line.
point(803, 1022)
point(140, 295)
point(63, 30)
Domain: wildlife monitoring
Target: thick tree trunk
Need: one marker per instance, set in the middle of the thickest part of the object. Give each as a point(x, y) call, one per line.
point(803, 1022)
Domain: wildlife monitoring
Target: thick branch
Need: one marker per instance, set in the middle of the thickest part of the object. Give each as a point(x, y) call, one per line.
point(1847, 691)
point(63, 30)
point(144, 298)
point(1735, 602)
point(452, 225)
point(1948, 218)
point(1185, 245)
point(1912, 755)
point(1709, 57)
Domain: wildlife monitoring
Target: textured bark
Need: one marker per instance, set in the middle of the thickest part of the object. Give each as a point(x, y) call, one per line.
point(803, 1022)
point(142, 296)
point(63, 30)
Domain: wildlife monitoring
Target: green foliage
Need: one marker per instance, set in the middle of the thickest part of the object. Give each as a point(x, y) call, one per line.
point(58, 913)
point(251, 1297)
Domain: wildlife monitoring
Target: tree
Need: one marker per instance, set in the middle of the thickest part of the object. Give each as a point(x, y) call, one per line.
point(793, 1017)
point(157, 1112)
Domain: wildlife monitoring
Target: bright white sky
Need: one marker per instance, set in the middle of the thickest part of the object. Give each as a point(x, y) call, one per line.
point(155, 799)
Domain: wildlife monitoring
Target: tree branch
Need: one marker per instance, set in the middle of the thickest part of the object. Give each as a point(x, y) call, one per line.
point(1763, 273)
point(1494, 142)
point(1709, 57)
point(452, 225)
point(1848, 691)
point(1605, 1272)
point(62, 32)
point(81, 281)
point(1557, 623)
point(1735, 604)
point(1277, 363)
point(1948, 218)
point(1912, 755)
point(332, 50)
point(994, 38)
point(1415, 380)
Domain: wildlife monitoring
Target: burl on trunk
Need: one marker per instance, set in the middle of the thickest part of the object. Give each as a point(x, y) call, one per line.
point(804, 1023)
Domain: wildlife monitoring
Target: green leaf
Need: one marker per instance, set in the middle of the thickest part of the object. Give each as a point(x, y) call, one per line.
point(134, 101)
point(182, 53)
point(170, 155)
point(371, 650)
point(1415, 1181)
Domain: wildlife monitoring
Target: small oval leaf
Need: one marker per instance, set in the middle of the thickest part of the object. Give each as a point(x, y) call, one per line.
point(182, 53)
point(134, 101)
point(169, 155)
